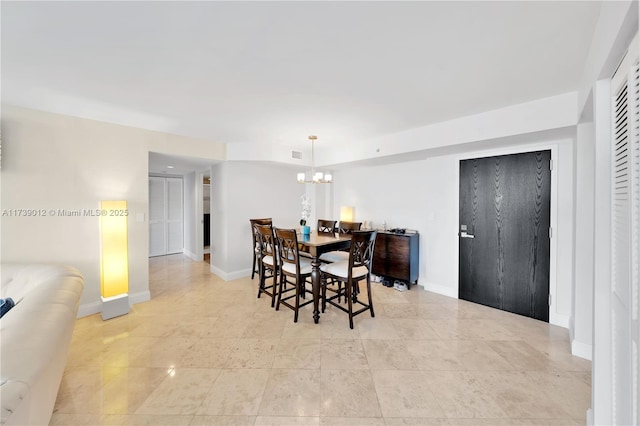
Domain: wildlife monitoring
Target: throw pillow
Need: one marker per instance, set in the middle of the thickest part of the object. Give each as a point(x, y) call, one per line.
point(5, 305)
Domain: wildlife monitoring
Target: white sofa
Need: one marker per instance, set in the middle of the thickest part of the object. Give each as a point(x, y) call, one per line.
point(35, 336)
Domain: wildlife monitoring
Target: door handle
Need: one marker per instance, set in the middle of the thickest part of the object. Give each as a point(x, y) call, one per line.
point(464, 234)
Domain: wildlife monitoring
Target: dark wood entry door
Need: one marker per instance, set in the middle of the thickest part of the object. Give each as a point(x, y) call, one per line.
point(504, 232)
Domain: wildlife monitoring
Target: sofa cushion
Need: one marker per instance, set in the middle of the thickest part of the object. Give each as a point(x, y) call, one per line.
point(35, 337)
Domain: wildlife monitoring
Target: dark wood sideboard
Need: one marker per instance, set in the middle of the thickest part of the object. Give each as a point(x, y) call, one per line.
point(396, 256)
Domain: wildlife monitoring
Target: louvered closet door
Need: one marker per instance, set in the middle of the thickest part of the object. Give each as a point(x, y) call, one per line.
point(625, 227)
point(166, 205)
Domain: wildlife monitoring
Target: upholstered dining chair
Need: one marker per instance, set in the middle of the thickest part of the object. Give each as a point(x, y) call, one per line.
point(255, 243)
point(294, 270)
point(351, 272)
point(267, 262)
point(339, 255)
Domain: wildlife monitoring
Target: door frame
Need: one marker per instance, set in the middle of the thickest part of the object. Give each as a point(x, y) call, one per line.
point(555, 318)
point(199, 209)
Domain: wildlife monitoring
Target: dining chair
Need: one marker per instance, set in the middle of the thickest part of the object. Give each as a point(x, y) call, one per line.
point(351, 272)
point(326, 226)
point(255, 242)
point(348, 227)
point(267, 262)
point(294, 270)
point(340, 255)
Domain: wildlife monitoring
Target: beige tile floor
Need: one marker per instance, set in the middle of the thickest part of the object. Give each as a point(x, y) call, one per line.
point(208, 352)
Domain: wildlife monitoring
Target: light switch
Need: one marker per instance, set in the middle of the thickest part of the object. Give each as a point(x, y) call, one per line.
point(139, 217)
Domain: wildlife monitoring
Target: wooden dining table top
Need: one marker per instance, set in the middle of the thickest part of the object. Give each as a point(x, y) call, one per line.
point(315, 239)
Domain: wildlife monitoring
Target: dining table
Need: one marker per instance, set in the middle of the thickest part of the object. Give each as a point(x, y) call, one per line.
point(317, 244)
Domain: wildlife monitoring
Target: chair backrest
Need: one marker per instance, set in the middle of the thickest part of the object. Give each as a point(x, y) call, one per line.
point(266, 241)
point(287, 246)
point(326, 226)
point(254, 231)
point(361, 251)
point(349, 227)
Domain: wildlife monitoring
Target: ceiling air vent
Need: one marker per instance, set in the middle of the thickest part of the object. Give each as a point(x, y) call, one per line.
point(296, 155)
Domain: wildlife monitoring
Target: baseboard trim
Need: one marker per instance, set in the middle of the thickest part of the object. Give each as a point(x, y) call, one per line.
point(561, 320)
point(93, 308)
point(581, 349)
point(191, 255)
point(441, 289)
point(590, 417)
point(572, 329)
point(140, 297)
point(89, 309)
point(230, 276)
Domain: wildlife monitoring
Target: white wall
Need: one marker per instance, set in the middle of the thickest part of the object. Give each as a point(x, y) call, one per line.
point(581, 328)
point(52, 162)
point(190, 215)
point(563, 233)
point(419, 195)
point(242, 191)
point(617, 24)
point(218, 229)
point(551, 113)
point(424, 195)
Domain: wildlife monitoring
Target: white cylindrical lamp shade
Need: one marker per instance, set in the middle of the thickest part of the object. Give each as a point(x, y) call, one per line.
point(347, 214)
point(114, 255)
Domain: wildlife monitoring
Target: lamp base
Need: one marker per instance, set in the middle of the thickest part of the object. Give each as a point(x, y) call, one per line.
point(115, 306)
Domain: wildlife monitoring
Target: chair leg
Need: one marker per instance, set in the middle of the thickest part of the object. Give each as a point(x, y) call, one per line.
point(347, 287)
point(280, 291)
point(323, 285)
point(295, 315)
point(261, 280)
point(253, 268)
point(273, 289)
point(370, 298)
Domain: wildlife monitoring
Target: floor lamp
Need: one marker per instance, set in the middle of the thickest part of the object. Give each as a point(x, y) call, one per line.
point(114, 259)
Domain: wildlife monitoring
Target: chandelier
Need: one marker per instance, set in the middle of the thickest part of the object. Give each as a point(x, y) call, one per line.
point(316, 177)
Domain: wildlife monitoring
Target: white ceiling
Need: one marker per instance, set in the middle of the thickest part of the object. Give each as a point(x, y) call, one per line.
point(163, 164)
point(275, 72)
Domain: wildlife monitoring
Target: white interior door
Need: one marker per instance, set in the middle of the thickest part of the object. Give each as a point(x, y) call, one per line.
point(157, 236)
point(166, 206)
point(175, 208)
